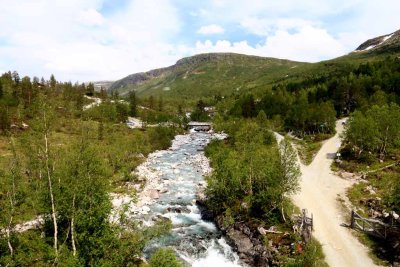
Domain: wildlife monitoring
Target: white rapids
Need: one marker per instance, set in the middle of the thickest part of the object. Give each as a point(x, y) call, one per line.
point(173, 179)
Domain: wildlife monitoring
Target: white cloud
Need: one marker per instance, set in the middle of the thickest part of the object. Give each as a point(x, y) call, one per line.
point(77, 40)
point(265, 26)
point(309, 44)
point(46, 36)
point(211, 29)
point(91, 17)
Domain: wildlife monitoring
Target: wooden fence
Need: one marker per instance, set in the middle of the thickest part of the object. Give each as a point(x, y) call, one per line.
point(304, 225)
point(372, 226)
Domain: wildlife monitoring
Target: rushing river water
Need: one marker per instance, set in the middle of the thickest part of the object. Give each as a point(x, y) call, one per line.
point(174, 177)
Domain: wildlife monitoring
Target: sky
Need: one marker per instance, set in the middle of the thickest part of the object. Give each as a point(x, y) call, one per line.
point(93, 40)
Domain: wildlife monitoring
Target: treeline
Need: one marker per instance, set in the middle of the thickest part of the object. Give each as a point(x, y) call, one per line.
point(310, 106)
point(58, 164)
point(374, 132)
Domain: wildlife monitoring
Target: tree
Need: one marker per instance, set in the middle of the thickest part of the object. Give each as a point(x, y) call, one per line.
point(160, 103)
point(1, 90)
point(27, 90)
point(387, 120)
point(53, 82)
point(289, 168)
point(132, 104)
point(199, 114)
point(361, 133)
point(5, 120)
point(164, 257)
point(90, 89)
point(262, 118)
point(84, 204)
point(12, 192)
point(151, 102)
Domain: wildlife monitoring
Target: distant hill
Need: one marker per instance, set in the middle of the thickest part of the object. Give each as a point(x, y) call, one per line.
point(207, 75)
point(381, 44)
point(102, 85)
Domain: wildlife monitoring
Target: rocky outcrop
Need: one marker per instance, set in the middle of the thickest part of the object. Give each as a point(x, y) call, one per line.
point(248, 245)
point(382, 44)
point(245, 240)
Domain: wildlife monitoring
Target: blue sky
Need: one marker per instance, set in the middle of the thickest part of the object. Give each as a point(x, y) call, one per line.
point(108, 39)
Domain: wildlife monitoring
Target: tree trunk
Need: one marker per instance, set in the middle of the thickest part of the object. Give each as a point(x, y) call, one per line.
point(53, 208)
point(72, 228)
point(10, 247)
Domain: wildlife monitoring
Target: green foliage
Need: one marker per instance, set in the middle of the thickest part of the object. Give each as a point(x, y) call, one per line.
point(164, 257)
point(199, 114)
point(82, 200)
point(250, 169)
point(132, 104)
point(312, 257)
point(375, 131)
point(86, 160)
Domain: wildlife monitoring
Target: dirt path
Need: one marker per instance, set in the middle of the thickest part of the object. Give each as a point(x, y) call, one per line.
point(320, 189)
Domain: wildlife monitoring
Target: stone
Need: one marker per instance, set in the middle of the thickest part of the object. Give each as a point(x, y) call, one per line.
point(242, 242)
point(347, 175)
point(163, 190)
point(153, 194)
point(261, 230)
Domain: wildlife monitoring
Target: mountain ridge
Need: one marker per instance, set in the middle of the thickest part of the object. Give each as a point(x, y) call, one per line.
point(223, 73)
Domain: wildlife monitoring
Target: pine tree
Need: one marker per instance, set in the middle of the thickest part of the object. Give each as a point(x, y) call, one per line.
point(132, 104)
point(160, 104)
point(1, 90)
point(53, 82)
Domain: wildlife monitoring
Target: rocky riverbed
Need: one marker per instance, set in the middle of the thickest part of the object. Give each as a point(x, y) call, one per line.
point(172, 181)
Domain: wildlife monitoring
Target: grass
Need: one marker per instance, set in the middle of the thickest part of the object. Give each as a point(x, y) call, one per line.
point(309, 146)
point(382, 183)
point(312, 256)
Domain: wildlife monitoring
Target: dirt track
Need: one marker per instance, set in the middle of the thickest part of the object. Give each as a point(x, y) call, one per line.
point(319, 193)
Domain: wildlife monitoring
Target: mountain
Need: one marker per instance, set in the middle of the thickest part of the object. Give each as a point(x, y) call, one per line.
point(381, 44)
point(207, 75)
point(98, 85)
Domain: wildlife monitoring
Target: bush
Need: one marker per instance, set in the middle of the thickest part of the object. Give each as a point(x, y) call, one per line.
point(164, 257)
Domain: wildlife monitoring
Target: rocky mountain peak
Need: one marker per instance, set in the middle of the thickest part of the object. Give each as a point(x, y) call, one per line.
point(381, 43)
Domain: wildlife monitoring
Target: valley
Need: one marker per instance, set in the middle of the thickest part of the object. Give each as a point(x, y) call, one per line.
point(110, 173)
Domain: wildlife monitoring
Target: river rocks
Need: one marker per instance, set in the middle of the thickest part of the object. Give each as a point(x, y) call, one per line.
point(178, 209)
point(242, 242)
point(245, 241)
point(153, 194)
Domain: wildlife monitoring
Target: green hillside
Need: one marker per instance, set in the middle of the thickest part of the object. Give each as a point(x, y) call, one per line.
point(207, 75)
point(210, 74)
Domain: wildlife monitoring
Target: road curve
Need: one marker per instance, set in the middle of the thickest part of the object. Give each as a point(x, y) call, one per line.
point(319, 193)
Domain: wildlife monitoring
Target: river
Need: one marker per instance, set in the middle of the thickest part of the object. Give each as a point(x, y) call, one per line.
point(174, 177)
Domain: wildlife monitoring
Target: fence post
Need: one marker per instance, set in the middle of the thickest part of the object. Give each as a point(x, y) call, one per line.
point(312, 222)
point(352, 220)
